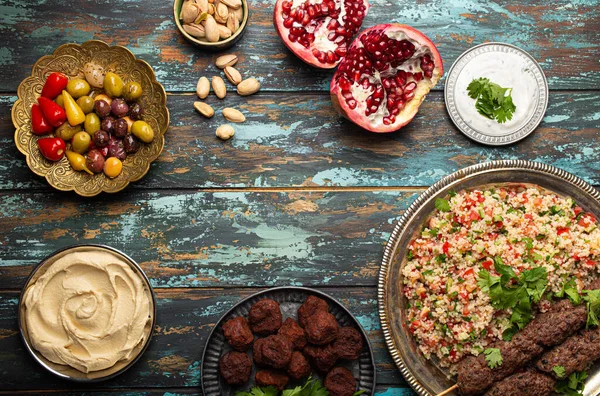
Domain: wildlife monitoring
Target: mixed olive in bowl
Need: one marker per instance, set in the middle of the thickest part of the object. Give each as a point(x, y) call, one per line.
point(90, 118)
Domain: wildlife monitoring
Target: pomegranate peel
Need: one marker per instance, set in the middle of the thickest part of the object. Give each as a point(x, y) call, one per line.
point(319, 31)
point(384, 77)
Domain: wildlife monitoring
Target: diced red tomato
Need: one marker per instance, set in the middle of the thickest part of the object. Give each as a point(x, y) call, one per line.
point(489, 212)
point(474, 215)
point(446, 247)
point(586, 220)
point(414, 325)
point(562, 230)
point(499, 224)
point(468, 272)
point(525, 199)
point(589, 262)
point(480, 197)
point(528, 216)
point(465, 311)
point(537, 202)
point(452, 354)
point(577, 210)
point(487, 264)
point(464, 296)
point(576, 257)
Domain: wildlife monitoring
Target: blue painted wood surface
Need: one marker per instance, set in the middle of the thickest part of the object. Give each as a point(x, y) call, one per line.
point(299, 196)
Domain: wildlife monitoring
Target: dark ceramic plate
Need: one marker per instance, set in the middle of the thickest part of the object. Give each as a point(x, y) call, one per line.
point(290, 299)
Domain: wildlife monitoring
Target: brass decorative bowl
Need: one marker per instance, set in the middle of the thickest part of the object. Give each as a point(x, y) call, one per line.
point(70, 59)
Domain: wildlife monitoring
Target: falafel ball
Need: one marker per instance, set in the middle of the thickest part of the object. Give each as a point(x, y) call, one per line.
point(292, 330)
point(348, 343)
point(298, 367)
point(340, 382)
point(238, 333)
point(322, 328)
point(265, 317)
point(271, 378)
point(309, 308)
point(273, 351)
point(322, 357)
point(235, 367)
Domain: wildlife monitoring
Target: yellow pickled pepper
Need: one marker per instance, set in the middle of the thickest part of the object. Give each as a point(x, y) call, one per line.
point(77, 161)
point(75, 115)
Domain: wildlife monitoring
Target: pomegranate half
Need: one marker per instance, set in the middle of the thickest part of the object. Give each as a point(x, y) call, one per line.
point(319, 31)
point(384, 77)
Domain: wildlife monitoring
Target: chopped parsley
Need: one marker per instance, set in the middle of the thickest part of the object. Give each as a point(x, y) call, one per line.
point(592, 299)
point(442, 205)
point(573, 385)
point(410, 255)
point(258, 391)
point(492, 101)
point(493, 357)
point(434, 232)
point(312, 387)
point(569, 289)
point(452, 193)
point(441, 258)
point(509, 291)
point(559, 371)
point(556, 211)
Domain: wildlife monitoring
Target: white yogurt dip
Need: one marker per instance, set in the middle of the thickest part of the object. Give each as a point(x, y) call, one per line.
point(508, 70)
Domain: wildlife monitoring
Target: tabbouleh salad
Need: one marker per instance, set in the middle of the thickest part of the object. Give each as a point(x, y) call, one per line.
point(542, 239)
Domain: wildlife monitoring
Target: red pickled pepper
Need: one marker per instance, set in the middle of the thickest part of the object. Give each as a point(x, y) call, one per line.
point(54, 85)
point(39, 125)
point(54, 114)
point(52, 148)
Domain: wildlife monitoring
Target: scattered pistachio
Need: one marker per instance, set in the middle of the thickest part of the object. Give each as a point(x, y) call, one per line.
point(225, 132)
point(218, 86)
point(203, 87)
point(248, 87)
point(233, 75)
point(233, 115)
point(226, 60)
point(205, 109)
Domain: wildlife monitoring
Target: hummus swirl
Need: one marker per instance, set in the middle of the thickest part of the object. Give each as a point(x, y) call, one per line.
point(89, 310)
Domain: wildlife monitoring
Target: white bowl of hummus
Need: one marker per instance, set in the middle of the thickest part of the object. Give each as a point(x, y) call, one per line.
point(87, 313)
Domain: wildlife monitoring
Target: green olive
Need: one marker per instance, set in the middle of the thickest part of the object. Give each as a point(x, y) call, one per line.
point(142, 131)
point(86, 103)
point(81, 142)
point(113, 85)
point(132, 91)
point(60, 101)
point(92, 123)
point(66, 131)
point(78, 87)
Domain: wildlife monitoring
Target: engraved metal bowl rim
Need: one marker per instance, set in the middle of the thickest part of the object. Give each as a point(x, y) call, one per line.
point(161, 133)
point(20, 307)
point(221, 44)
point(578, 185)
point(289, 288)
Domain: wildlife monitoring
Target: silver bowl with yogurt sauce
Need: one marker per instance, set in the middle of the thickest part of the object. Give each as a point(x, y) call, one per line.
point(68, 372)
point(509, 67)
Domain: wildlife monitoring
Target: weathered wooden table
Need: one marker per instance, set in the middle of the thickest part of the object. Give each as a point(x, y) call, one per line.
point(298, 197)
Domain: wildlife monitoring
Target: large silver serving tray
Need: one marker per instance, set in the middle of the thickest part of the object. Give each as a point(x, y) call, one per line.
point(425, 376)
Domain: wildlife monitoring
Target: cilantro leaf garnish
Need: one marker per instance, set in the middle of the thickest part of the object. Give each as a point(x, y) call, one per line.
point(569, 289)
point(492, 101)
point(518, 293)
point(258, 391)
point(493, 357)
point(559, 371)
point(573, 385)
point(592, 299)
point(442, 205)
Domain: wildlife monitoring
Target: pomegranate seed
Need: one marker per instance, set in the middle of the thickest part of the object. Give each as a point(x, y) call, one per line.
point(299, 15)
point(286, 5)
point(418, 76)
point(288, 23)
point(341, 52)
point(429, 74)
point(410, 87)
point(332, 57)
point(374, 109)
point(312, 12)
point(305, 20)
point(292, 38)
point(409, 95)
point(352, 104)
point(293, 13)
point(333, 24)
point(331, 36)
point(347, 94)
